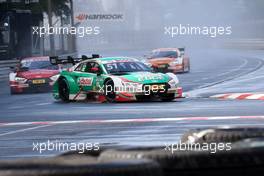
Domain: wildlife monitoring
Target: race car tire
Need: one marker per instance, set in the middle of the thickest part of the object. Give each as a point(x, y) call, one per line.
point(221, 135)
point(109, 91)
point(79, 166)
point(237, 161)
point(168, 97)
point(143, 98)
point(64, 91)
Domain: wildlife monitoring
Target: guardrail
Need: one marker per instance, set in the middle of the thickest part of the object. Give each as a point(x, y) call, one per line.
point(5, 68)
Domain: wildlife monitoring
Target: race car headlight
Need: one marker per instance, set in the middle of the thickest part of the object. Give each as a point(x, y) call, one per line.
point(55, 77)
point(20, 79)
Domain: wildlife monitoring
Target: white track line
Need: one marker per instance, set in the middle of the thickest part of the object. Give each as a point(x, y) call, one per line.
point(23, 130)
point(138, 120)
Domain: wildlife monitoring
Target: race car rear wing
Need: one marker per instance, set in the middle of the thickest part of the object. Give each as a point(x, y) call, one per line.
point(182, 51)
point(55, 60)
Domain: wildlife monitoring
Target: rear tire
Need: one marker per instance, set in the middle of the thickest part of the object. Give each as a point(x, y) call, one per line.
point(79, 166)
point(168, 97)
point(143, 98)
point(64, 91)
point(236, 161)
point(218, 135)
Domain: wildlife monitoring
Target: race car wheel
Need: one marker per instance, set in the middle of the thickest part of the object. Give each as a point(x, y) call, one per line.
point(64, 91)
point(79, 166)
point(217, 135)
point(143, 98)
point(240, 159)
point(109, 91)
point(168, 97)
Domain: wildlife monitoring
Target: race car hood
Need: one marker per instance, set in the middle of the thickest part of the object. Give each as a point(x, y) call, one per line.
point(38, 73)
point(161, 61)
point(145, 77)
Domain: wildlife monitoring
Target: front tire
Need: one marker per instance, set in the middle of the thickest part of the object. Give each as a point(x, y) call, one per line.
point(64, 91)
point(109, 91)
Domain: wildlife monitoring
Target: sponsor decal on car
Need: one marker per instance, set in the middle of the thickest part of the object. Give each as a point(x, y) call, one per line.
point(148, 76)
point(83, 81)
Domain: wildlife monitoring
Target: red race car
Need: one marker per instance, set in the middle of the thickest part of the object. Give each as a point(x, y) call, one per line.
point(34, 74)
point(169, 60)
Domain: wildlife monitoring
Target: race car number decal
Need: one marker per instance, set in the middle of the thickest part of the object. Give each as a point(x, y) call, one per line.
point(85, 81)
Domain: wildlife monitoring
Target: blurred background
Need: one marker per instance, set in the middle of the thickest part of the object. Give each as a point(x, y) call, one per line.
point(142, 26)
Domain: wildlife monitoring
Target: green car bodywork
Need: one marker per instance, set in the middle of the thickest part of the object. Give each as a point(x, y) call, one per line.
point(93, 75)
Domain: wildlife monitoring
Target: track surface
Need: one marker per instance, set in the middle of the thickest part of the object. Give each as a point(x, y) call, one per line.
point(213, 72)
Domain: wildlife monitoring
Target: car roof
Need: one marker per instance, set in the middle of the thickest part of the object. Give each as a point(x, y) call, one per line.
point(109, 59)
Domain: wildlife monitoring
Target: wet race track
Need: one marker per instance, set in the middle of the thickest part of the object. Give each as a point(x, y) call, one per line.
point(32, 118)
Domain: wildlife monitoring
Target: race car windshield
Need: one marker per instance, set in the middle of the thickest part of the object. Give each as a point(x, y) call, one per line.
point(171, 54)
point(33, 65)
point(122, 67)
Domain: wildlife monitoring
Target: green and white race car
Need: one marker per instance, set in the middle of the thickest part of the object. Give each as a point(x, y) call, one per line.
point(116, 79)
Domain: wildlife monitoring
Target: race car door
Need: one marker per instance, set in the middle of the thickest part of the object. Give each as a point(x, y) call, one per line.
point(86, 75)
